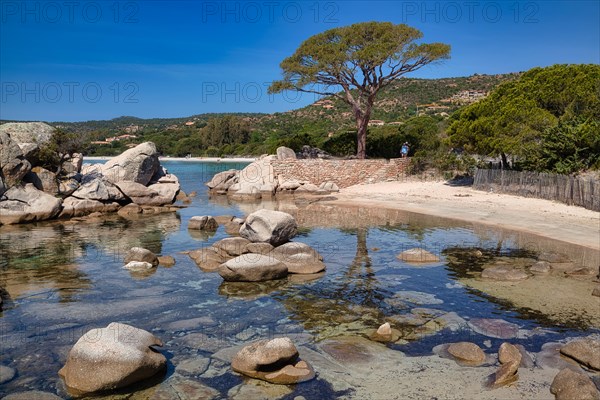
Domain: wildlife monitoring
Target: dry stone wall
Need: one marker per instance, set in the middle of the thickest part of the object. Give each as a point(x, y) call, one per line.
point(343, 172)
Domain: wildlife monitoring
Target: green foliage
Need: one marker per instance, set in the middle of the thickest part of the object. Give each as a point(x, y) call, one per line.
point(526, 118)
point(60, 148)
point(568, 147)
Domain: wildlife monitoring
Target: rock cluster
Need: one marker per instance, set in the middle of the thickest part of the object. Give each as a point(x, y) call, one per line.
point(275, 361)
point(258, 180)
point(31, 193)
point(262, 252)
point(112, 357)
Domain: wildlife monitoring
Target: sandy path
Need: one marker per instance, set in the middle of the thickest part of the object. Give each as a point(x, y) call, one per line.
point(542, 217)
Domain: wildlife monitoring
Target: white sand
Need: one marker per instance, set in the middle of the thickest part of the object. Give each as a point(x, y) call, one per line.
point(542, 217)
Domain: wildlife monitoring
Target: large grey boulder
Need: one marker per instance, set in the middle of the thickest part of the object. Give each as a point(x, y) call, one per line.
point(299, 258)
point(154, 195)
point(43, 180)
point(13, 165)
point(112, 357)
point(29, 136)
point(26, 204)
point(254, 178)
point(95, 187)
point(274, 227)
point(221, 178)
point(285, 153)
point(28, 132)
point(138, 164)
point(252, 268)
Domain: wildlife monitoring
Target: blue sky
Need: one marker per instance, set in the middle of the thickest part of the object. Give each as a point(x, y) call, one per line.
point(82, 60)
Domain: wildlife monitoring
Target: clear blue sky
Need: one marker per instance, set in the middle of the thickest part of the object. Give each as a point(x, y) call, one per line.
point(82, 60)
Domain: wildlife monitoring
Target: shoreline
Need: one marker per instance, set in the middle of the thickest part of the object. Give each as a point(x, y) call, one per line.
point(570, 224)
point(192, 159)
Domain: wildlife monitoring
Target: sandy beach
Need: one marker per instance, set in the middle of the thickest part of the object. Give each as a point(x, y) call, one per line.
point(551, 219)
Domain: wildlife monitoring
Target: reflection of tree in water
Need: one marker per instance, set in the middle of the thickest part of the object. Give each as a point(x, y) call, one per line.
point(350, 302)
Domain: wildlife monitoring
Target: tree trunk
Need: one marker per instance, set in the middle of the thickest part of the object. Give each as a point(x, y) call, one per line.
point(361, 137)
point(505, 164)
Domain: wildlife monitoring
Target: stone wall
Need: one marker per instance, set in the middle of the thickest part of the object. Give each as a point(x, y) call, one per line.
point(343, 172)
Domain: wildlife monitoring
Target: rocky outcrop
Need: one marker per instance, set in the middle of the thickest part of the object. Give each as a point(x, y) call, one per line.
point(274, 227)
point(112, 357)
point(13, 164)
point(45, 196)
point(73, 207)
point(138, 165)
point(27, 204)
point(275, 361)
point(252, 268)
point(95, 187)
point(570, 385)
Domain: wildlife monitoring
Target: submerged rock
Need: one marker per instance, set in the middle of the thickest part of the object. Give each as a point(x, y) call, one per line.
point(274, 227)
point(418, 256)
point(275, 361)
point(232, 247)
point(208, 258)
point(541, 267)
point(570, 385)
point(166, 261)
point(496, 328)
point(112, 357)
point(501, 273)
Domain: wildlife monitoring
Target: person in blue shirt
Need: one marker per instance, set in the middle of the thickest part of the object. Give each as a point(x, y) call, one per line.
point(404, 150)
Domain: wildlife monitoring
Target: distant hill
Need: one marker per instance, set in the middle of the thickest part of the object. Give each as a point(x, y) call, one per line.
point(403, 99)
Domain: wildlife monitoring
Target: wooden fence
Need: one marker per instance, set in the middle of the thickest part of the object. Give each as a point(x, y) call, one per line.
point(584, 192)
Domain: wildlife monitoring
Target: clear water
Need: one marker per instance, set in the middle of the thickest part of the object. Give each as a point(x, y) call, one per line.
point(63, 278)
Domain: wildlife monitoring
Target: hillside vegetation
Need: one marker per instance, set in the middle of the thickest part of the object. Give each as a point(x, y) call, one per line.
point(326, 123)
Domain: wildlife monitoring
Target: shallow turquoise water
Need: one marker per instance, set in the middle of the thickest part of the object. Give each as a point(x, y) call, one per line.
point(65, 278)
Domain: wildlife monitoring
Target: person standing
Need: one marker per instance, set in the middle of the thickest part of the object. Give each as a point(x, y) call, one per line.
point(404, 150)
